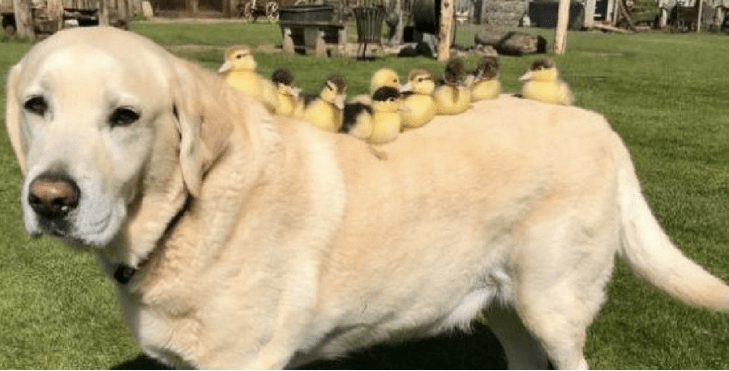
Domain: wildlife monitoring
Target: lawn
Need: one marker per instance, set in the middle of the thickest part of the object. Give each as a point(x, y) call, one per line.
point(666, 94)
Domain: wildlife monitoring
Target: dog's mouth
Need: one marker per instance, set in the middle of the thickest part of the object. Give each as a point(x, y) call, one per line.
point(61, 229)
point(56, 228)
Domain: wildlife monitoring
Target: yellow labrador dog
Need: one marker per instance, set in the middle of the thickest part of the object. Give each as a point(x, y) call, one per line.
point(244, 240)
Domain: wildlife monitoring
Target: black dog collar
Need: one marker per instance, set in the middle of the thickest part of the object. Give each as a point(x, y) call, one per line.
point(124, 273)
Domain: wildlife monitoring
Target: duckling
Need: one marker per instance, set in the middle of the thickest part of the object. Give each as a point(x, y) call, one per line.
point(382, 77)
point(325, 111)
point(542, 83)
point(452, 97)
point(386, 109)
point(239, 69)
point(357, 120)
point(287, 94)
point(484, 81)
point(418, 98)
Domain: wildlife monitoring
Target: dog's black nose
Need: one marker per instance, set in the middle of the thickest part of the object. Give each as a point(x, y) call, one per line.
point(53, 196)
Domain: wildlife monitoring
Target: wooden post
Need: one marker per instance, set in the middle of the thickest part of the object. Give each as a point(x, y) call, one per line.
point(610, 12)
point(719, 16)
point(54, 9)
point(663, 20)
point(699, 16)
point(320, 47)
point(560, 37)
point(24, 18)
point(227, 8)
point(589, 14)
point(122, 9)
point(288, 41)
point(482, 16)
point(444, 33)
point(397, 37)
point(103, 10)
point(342, 41)
point(192, 7)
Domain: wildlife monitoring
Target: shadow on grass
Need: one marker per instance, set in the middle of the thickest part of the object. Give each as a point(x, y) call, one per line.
point(476, 350)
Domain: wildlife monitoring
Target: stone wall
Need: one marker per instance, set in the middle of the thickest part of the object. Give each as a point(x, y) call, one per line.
point(503, 12)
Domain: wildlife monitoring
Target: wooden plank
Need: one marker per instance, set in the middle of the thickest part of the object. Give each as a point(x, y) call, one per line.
point(607, 27)
point(310, 24)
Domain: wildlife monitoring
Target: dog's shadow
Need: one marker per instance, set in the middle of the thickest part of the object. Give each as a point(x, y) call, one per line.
point(478, 349)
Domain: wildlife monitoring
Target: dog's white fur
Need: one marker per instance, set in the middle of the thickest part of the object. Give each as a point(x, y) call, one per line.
point(291, 244)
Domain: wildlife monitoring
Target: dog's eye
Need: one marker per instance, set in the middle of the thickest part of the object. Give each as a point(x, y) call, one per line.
point(123, 117)
point(36, 105)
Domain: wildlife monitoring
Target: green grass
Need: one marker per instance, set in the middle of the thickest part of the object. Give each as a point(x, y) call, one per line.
point(665, 94)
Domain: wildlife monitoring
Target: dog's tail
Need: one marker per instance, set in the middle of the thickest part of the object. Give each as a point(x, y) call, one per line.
point(652, 255)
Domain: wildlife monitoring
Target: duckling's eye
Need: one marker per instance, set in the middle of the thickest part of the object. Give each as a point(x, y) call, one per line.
point(36, 105)
point(123, 116)
point(390, 99)
point(420, 79)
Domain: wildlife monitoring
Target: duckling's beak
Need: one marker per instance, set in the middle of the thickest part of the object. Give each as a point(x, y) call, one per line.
point(292, 90)
point(526, 77)
point(227, 66)
point(406, 88)
point(403, 108)
point(339, 101)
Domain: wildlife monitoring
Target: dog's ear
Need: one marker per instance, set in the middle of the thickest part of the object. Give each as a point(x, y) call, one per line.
point(202, 121)
point(12, 116)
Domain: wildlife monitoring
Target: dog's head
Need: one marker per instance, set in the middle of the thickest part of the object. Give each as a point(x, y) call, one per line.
point(101, 119)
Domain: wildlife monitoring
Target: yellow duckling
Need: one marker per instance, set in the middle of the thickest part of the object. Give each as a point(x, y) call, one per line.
point(287, 94)
point(418, 98)
point(325, 111)
point(484, 81)
point(452, 97)
point(386, 109)
point(382, 77)
point(239, 69)
point(542, 83)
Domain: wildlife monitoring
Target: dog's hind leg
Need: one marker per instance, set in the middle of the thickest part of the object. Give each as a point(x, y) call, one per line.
point(558, 315)
point(523, 351)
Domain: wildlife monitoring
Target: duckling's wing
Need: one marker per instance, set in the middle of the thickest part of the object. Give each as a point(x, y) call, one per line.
point(307, 98)
point(568, 98)
point(352, 112)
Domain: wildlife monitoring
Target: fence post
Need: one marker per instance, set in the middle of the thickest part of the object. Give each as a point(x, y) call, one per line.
point(560, 37)
point(444, 33)
point(24, 18)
